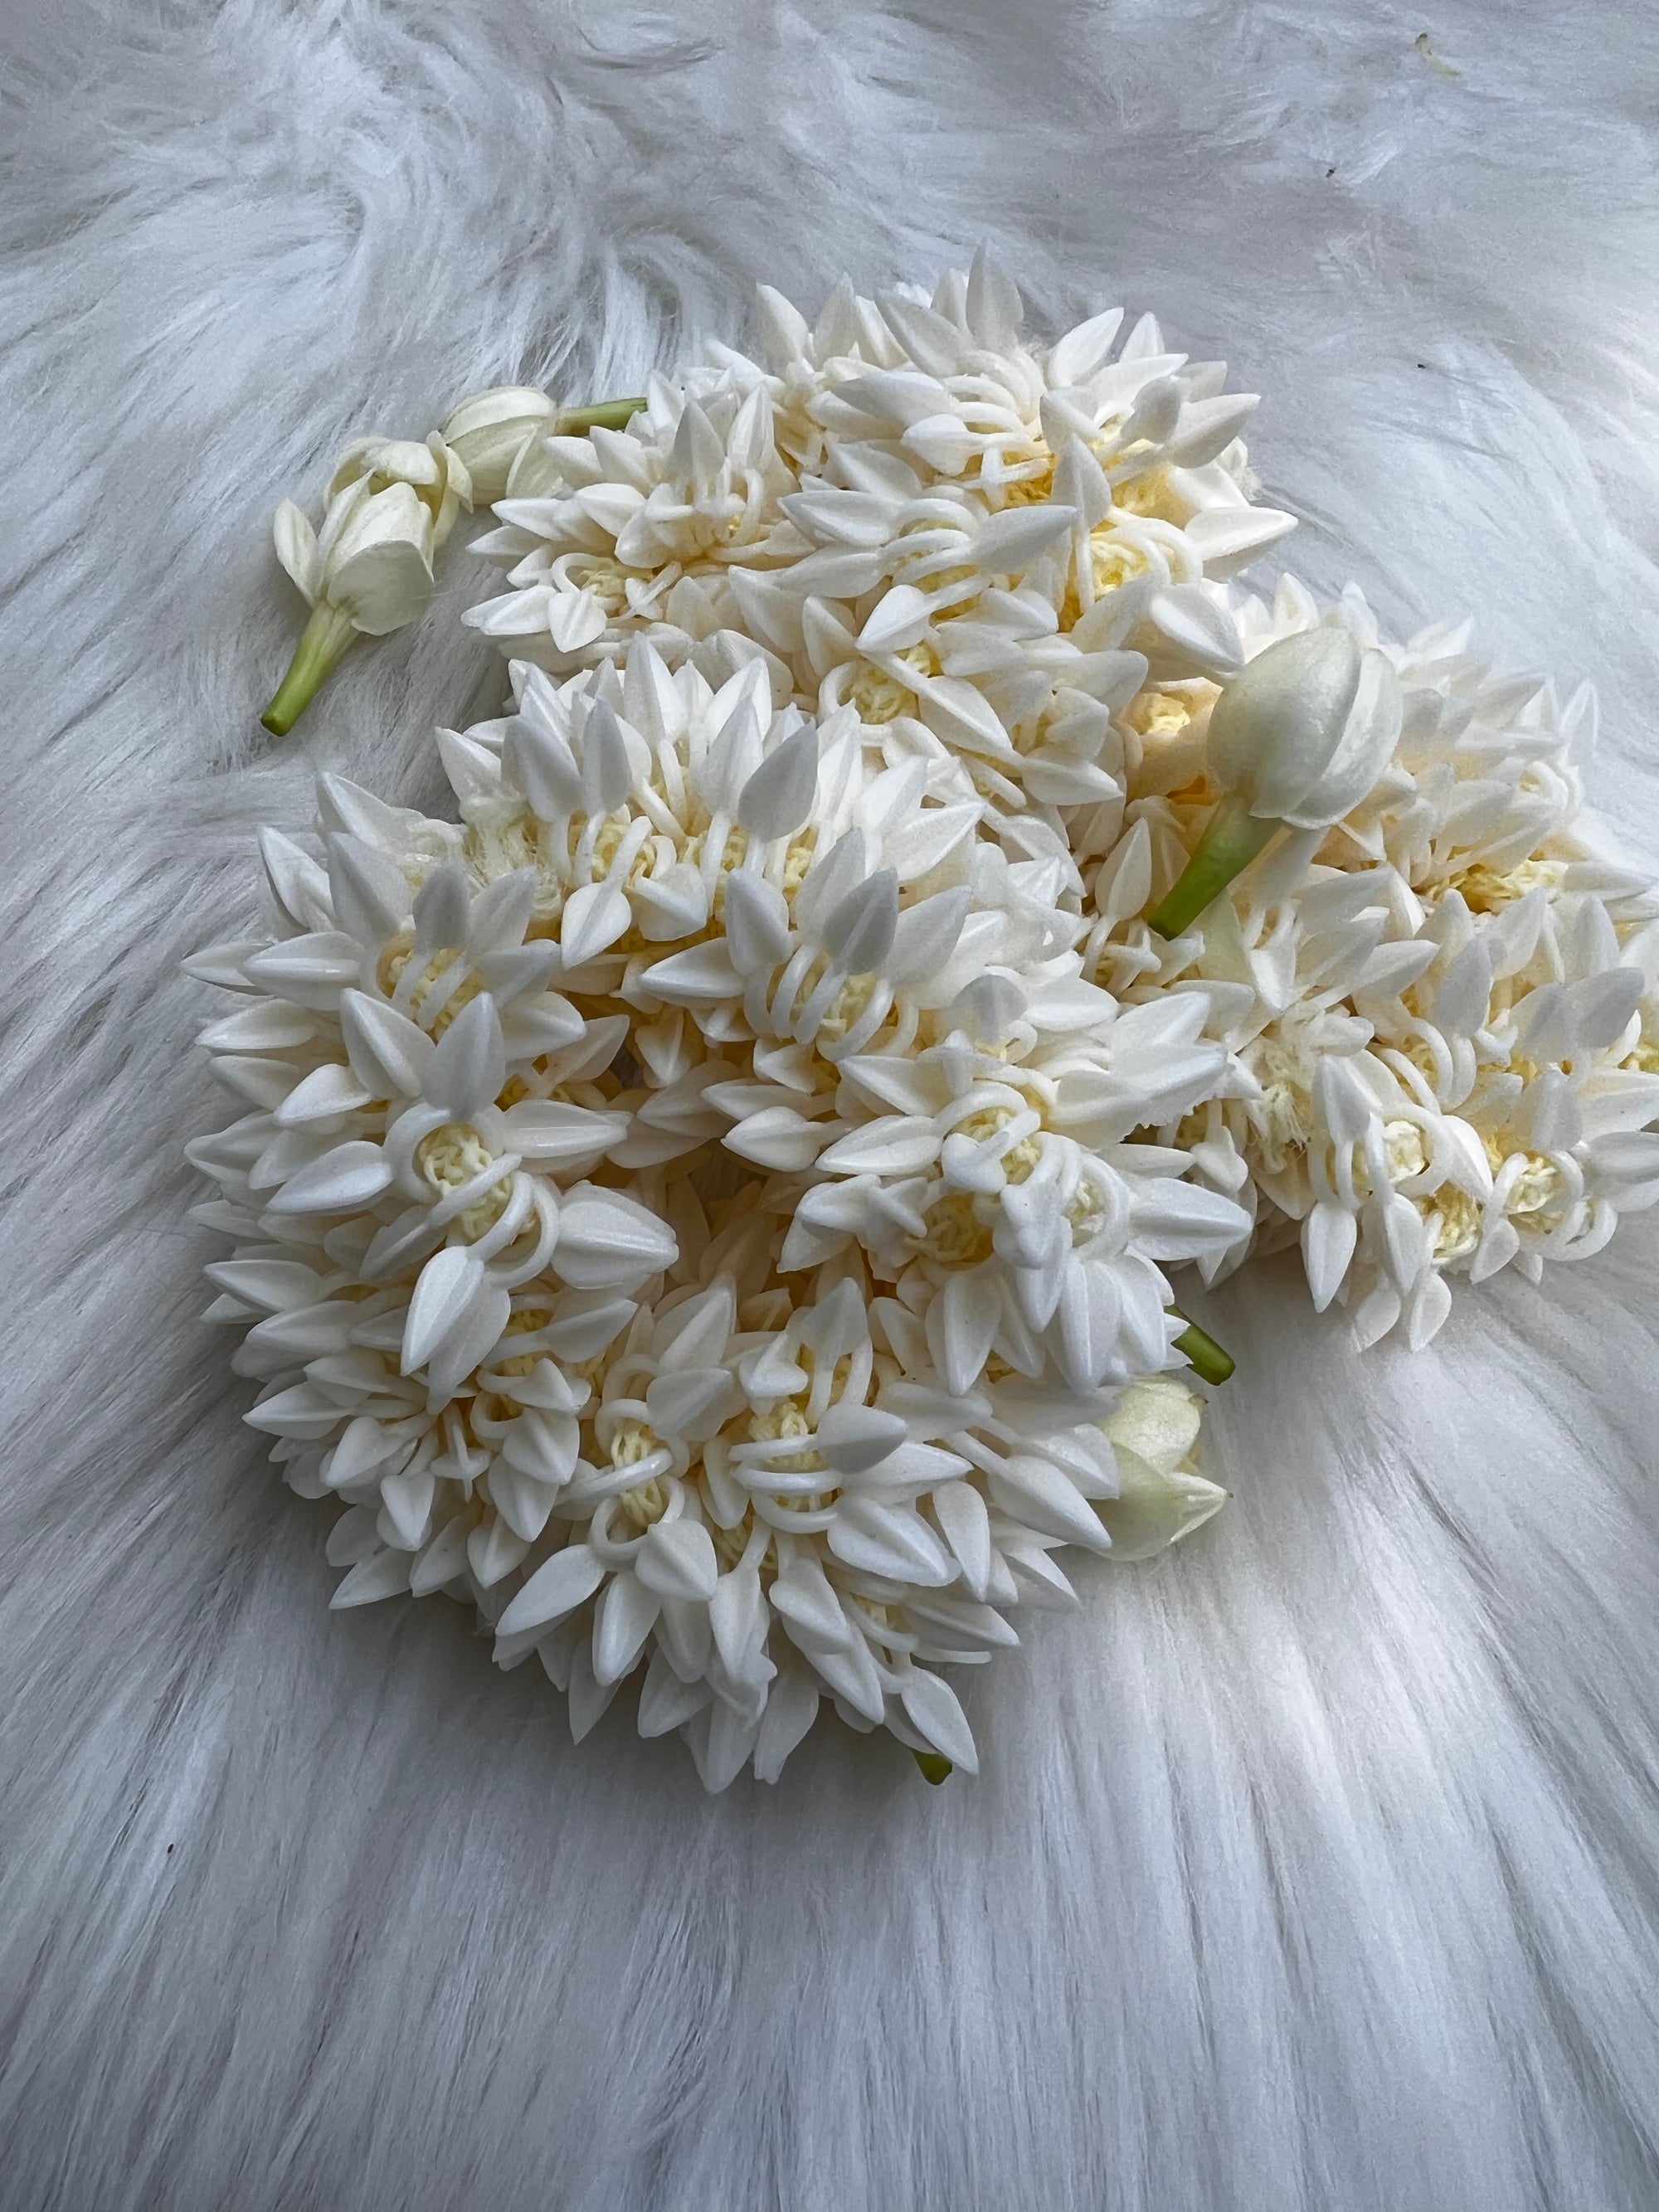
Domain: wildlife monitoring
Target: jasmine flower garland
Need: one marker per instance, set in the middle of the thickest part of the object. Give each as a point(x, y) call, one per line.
point(1445, 1003)
point(709, 1206)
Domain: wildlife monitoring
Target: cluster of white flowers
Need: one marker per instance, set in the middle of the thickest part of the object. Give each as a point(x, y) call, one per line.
point(691, 1208)
point(708, 1205)
point(1440, 1013)
point(982, 549)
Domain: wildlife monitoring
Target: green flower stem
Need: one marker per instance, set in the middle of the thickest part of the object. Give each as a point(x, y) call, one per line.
point(935, 1768)
point(609, 414)
point(1230, 842)
point(1204, 1355)
point(322, 643)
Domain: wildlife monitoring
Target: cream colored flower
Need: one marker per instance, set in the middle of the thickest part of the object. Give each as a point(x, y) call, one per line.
point(1438, 1011)
point(1296, 741)
point(711, 1208)
point(368, 570)
point(435, 472)
point(491, 429)
point(1161, 1496)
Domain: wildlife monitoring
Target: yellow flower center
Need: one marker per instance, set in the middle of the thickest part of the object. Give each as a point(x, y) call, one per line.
point(1485, 889)
point(522, 1324)
point(1030, 490)
point(1402, 1148)
point(847, 1007)
point(798, 859)
point(389, 971)
point(1113, 560)
point(1157, 714)
point(956, 1237)
point(1276, 1118)
point(1539, 1187)
point(451, 1156)
point(1452, 1219)
point(883, 698)
point(608, 580)
point(780, 1423)
point(1148, 495)
point(645, 1504)
point(736, 845)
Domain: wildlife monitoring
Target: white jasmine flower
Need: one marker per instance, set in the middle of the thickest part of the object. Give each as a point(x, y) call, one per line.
point(435, 472)
point(1296, 741)
point(1161, 1496)
point(490, 430)
point(638, 526)
point(391, 504)
point(711, 1207)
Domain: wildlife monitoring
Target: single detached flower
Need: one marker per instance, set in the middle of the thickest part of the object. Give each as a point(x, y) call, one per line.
point(1296, 741)
point(368, 571)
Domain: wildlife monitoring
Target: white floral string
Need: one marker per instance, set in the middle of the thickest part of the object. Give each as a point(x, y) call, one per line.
point(711, 1206)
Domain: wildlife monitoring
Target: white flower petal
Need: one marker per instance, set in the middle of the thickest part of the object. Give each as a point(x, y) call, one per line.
point(468, 1068)
point(625, 1616)
point(595, 917)
point(557, 1588)
point(448, 1283)
point(384, 1574)
point(607, 1241)
point(322, 1095)
point(1035, 1491)
point(961, 1513)
point(934, 1709)
point(389, 1053)
point(894, 1144)
point(676, 1560)
point(344, 1178)
point(1328, 1236)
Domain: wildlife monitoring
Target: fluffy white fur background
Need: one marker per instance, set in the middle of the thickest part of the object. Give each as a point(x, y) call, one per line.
point(1312, 1868)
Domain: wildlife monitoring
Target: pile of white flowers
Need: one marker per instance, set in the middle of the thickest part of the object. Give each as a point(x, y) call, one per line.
point(710, 1205)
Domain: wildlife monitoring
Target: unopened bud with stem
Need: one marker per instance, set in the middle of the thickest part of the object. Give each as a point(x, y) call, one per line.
point(1296, 741)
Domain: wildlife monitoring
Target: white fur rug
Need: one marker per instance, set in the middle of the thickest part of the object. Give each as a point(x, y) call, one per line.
point(1312, 1869)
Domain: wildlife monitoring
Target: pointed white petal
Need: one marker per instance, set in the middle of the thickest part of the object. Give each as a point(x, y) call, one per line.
point(933, 1708)
point(1328, 1236)
point(625, 1616)
point(557, 1588)
point(468, 1068)
point(342, 1180)
point(595, 917)
point(678, 1560)
point(1035, 1492)
point(448, 1283)
point(388, 1051)
point(962, 1326)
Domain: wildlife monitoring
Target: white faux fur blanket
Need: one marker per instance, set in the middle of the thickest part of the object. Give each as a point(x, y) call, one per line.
point(1312, 1868)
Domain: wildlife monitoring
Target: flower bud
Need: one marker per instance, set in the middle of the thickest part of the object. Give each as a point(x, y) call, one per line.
point(392, 503)
point(1305, 731)
point(491, 429)
point(1296, 740)
point(435, 472)
point(1161, 1496)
